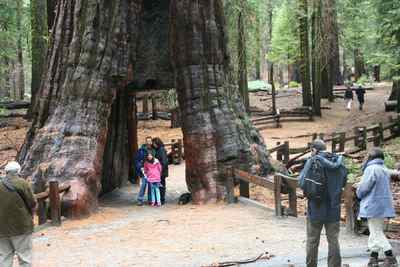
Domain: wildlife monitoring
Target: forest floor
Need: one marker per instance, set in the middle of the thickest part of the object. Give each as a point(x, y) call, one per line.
point(122, 234)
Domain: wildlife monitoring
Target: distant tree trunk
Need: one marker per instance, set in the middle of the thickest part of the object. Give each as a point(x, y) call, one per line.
point(269, 39)
point(19, 67)
point(258, 49)
point(359, 65)
point(317, 55)
point(39, 33)
point(51, 12)
point(304, 53)
point(242, 59)
point(215, 124)
point(332, 30)
point(346, 70)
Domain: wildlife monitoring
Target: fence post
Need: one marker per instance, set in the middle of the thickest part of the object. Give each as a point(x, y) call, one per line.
point(244, 189)
point(292, 198)
point(154, 107)
point(279, 152)
point(381, 132)
point(286, 153)
point(277, 194)
point(55, 204)
point(349, 203)
point(342, 144)
point(335, 142)
point(42, 211)
point(376, 136)
point(230, 185)
point(360, 139)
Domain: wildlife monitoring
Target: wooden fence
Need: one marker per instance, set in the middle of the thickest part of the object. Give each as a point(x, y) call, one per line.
point(54, 203)
point(265, 121)
point(281, 184)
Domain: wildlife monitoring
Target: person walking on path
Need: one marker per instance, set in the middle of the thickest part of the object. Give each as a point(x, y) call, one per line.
point(161, 155)
point(17, 205)
point(152, 170)
point(322, 180)
point(348, 96)
point(377, 205)
point(360, 92)
point(140, 158)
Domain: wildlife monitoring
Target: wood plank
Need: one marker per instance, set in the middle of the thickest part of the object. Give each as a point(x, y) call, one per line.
point(254, 179)
point(45, 194)
point(55, 203)
point(277, 195)
point(349, 203)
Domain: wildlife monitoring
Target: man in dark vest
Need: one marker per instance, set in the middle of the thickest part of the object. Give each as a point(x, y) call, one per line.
point(324, 212)
point(17, 205)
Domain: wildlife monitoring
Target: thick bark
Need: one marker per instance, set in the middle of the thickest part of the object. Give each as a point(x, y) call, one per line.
point(304, 53)
point(259, 55)
point(39, 33)
point(316, 56)
point(19, 66)
point(242, 59)
point(72, 136)
point(332, 30)
point(216, 128)
point(359, 66)
point(51, 12)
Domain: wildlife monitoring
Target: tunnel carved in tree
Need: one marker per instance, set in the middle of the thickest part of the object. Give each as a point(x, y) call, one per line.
point(80, 124)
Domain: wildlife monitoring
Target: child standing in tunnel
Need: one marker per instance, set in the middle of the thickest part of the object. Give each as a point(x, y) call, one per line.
point(152, 170)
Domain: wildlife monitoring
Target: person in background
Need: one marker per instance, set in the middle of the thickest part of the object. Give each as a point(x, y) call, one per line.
point(324, 210)
point(152, 170)
point(348, 96)
point(161, 155)
point(376, 206)
point(17, 205)
point(360, 92)
point(140, 158)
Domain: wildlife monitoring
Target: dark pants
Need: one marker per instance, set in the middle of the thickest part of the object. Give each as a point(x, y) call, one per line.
point(314, 229)
point(163, 189)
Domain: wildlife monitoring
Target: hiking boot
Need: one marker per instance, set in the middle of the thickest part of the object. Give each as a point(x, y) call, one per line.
point(390, 261)
point(140, 203)
point(373, 262)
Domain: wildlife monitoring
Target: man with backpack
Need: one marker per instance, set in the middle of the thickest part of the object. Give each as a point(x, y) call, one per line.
point(323, 178)
point(16, 225)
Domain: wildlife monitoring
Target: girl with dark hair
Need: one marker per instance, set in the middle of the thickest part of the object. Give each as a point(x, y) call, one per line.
point(161, 155)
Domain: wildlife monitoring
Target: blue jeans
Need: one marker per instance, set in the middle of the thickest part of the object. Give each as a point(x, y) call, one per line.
point(155, 193)
point(143, 186)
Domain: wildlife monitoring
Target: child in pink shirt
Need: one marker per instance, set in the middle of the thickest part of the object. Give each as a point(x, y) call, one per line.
point(152, 169)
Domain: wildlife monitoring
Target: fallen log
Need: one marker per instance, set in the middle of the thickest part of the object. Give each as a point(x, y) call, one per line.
point(263, 256)
point(15, 105)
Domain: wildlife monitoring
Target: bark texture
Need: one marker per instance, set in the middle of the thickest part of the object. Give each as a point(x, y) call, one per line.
point(39, 33)
point(217, 131)
point(19, 89)
point(73, 135)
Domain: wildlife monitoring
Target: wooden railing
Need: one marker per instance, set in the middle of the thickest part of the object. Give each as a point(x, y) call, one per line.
point(338, 142)
point(299, 114)
point(53, 194)
point(281, 184)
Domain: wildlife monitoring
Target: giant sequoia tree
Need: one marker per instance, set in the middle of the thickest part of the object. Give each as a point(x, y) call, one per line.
point(80, 129)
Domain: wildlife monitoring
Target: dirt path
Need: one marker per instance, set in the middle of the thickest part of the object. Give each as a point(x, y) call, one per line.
point(122, 234)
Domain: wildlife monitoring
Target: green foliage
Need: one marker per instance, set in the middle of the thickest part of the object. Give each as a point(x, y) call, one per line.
point(259, 85)
point(294, 84)
point(363, 80)
point(354, 170)
point(169, 98)
point(285, 40)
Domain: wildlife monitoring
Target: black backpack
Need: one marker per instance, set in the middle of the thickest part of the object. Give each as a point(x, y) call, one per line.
point(315, 181)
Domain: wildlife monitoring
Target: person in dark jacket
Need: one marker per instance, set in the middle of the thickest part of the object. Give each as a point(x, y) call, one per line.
point(360, 92)
point(376, 205)
point(16, 224)
point(326, 211)
point(161, 155)
point(348, 96)
point(141, 155)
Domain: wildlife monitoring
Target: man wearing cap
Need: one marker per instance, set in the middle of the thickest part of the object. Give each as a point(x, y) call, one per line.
point(16, 225)
point(324, 212)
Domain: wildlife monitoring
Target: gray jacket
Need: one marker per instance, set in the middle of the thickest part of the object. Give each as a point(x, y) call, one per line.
point(375, 192)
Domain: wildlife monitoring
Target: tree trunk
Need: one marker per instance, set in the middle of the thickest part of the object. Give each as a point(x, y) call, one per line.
point(332, 29)
point(359, 66)
point(217, 132)
point(242, 59)
point(39, 33)
point(19, 67)
point(176, 118)
point(304, 53)
point(79, 130)
point(316, 56)
point(259, 55)
point(51, 13)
